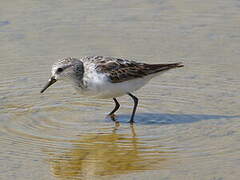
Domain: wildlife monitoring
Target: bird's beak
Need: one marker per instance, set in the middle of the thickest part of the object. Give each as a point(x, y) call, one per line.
point(51, 81)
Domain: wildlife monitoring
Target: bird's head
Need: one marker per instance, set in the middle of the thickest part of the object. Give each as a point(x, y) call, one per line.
point(66, 69)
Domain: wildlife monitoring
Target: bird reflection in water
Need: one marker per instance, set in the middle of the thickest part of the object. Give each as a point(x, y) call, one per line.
point(112, 153)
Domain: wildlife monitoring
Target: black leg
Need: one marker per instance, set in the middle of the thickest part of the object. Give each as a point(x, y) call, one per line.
point(135, 99)
point(117, 105)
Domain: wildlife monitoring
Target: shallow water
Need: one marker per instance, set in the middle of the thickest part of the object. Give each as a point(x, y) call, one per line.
point(187, 121)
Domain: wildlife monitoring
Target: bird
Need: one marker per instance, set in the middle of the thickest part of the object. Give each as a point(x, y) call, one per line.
point(106, 77)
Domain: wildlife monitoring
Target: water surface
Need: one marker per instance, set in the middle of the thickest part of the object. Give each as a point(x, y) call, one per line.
point(187, 120)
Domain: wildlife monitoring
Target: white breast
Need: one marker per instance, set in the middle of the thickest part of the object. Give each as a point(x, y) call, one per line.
point(98, 86)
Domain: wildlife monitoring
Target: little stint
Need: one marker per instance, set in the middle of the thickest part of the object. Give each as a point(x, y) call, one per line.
point(106, 77)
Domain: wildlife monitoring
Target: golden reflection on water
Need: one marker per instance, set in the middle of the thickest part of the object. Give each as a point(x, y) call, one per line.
point(103, 154)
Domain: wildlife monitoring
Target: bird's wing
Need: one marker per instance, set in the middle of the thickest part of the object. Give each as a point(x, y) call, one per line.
point(120, 70)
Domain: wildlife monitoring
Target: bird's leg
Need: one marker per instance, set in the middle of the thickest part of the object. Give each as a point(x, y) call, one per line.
point(117, 105)
point(135, 99)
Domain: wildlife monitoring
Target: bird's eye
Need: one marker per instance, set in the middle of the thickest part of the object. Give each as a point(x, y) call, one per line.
point(59, 70)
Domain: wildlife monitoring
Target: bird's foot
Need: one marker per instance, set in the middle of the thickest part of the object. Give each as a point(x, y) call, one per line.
point(131, 122)
point(113, 117)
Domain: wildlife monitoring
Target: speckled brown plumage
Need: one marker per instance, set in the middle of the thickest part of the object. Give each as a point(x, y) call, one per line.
point(120, 70)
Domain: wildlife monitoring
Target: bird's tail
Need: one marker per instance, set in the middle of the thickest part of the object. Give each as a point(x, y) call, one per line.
point(155, 68)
